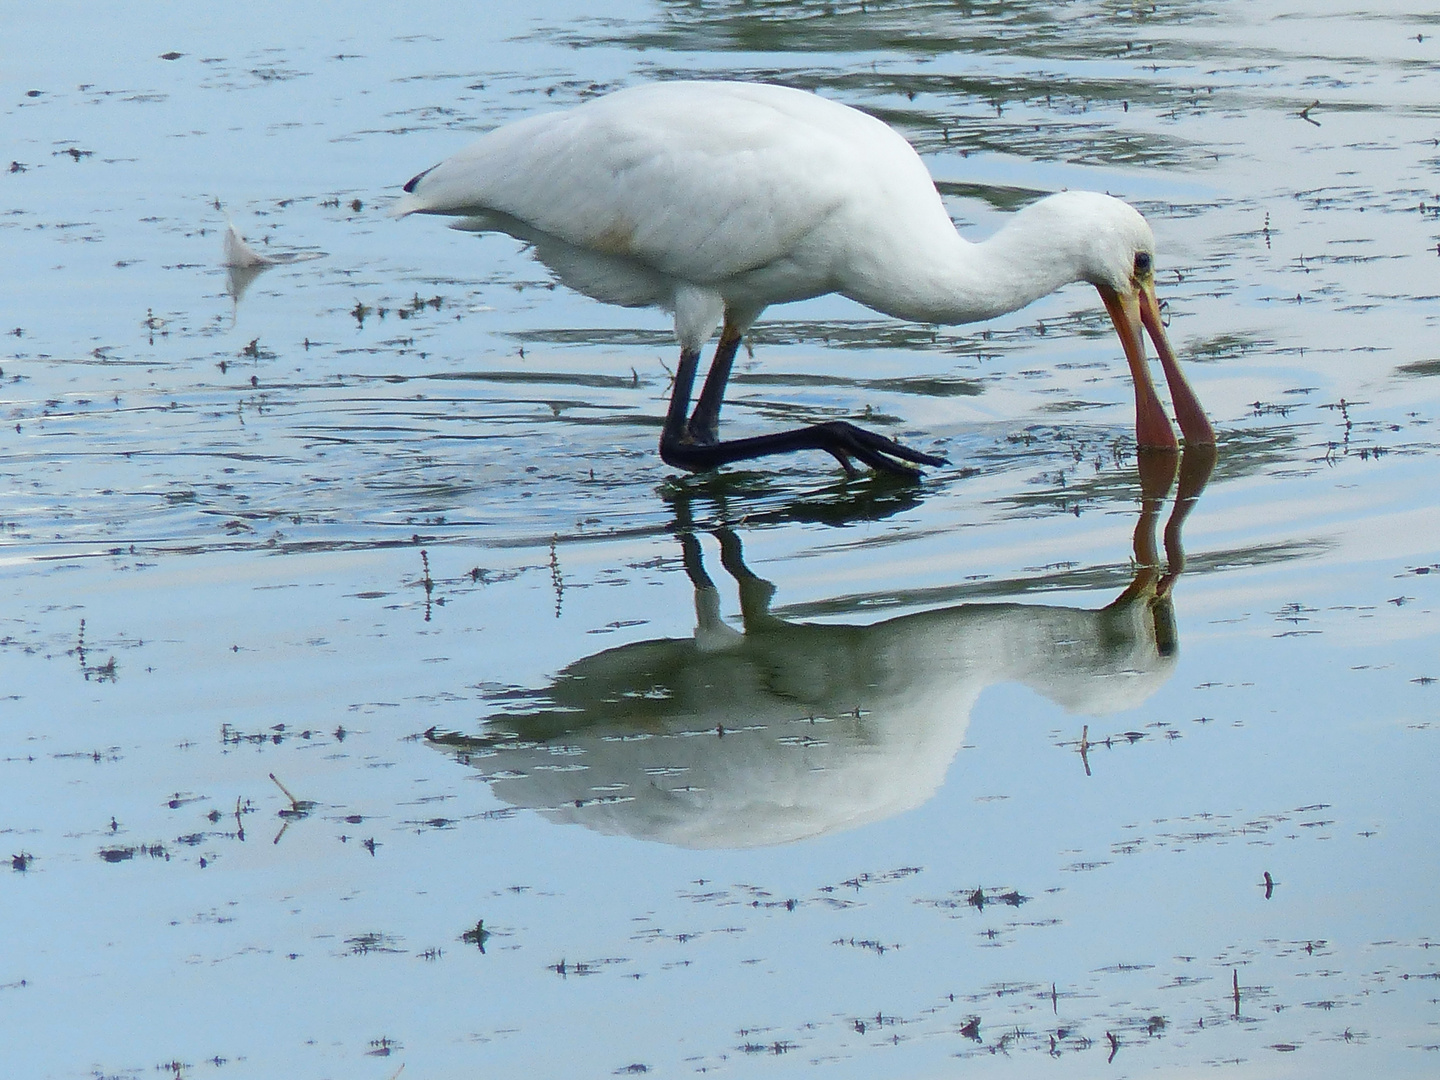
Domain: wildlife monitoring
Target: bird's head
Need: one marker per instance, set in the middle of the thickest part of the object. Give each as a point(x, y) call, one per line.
point(1115, 250)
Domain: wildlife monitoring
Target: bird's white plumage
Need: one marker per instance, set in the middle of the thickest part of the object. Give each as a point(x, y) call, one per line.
point(703, 181)
point(762, 194)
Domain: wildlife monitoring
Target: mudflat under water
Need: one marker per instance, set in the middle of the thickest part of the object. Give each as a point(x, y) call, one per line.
point(372, 697)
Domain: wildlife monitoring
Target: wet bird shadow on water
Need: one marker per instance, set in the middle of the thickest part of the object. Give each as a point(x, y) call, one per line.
point(785, 730)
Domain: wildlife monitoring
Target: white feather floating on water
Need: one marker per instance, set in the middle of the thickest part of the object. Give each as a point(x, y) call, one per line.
point(239, 254)
point(243, 264)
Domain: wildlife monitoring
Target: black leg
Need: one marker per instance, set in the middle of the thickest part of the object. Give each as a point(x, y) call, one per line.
point(693, 444)
point(674, 435)
point(841, 439)
point(705, 422)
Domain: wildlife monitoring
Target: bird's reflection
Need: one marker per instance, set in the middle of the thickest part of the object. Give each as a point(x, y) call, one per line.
point(785, 730)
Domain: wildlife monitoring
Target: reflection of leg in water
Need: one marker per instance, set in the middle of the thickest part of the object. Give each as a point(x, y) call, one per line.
point(755, 592)
point(712, 633)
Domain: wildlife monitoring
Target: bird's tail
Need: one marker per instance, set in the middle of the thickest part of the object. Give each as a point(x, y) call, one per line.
point(410, 202)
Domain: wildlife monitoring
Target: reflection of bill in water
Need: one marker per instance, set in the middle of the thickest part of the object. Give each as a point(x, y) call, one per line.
point(788, 730)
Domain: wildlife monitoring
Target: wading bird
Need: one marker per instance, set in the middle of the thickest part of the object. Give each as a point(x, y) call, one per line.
point(715, 200)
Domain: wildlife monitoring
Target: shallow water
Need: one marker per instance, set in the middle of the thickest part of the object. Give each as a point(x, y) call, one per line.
point(764, 774)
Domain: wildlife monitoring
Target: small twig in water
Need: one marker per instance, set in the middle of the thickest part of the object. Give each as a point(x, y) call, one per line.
point(298, 807)
point(294, 802)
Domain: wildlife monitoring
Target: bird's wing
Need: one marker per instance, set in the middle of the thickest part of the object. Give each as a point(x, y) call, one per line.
point(700, 181)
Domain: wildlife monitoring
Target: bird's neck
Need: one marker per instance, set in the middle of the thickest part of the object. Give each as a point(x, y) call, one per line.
point(935, 275)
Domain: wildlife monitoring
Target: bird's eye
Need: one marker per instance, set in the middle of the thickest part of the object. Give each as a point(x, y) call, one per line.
point(1143, 262)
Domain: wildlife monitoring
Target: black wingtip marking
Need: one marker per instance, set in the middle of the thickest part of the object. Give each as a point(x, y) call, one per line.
point(410, 187)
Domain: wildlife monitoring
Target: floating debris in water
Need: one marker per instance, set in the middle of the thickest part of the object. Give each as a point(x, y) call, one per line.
point(477, 936)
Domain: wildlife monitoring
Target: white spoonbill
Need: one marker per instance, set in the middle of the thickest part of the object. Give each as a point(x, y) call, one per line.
point(717, 199)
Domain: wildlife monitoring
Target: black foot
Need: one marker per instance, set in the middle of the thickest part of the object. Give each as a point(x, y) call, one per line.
point(840, 439)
